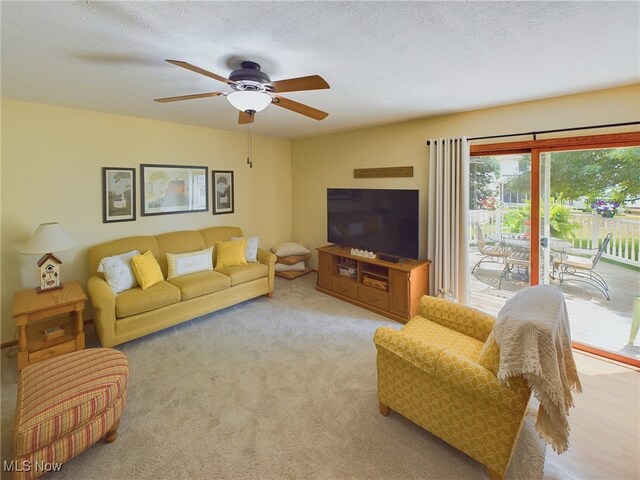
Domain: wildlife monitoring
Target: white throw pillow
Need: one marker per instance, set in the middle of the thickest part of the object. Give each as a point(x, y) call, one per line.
point(117, 271)
point(179, 264)
point(281, 267)
point(251, 249)
point(285, 249)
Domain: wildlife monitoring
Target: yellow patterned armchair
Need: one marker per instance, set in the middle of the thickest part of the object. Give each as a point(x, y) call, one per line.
point(439, 371)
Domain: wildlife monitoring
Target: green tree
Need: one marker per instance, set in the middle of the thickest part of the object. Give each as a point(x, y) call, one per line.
point(483, 171)
point(612, 173)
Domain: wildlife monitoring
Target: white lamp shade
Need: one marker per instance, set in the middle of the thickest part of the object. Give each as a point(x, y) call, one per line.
point(253, 101)
point(48, 238)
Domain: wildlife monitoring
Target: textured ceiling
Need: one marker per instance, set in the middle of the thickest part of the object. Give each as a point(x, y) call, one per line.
point(385, 61)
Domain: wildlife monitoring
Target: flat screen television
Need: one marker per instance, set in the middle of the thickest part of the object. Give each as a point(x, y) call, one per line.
point(380, 220)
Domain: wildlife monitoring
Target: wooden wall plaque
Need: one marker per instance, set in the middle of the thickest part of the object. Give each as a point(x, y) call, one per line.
point(386, 172)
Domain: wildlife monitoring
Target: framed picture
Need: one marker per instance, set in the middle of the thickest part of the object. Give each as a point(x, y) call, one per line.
point(118, 194)
point(222, 185)
point(173, 189)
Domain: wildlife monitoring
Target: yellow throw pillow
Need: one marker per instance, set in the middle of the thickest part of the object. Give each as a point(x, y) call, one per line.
point(146, 269)
point(230, 253)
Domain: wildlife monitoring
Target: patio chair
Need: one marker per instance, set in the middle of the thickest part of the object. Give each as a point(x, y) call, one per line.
point(495, 253)
point(516, 264)
point(581, 269)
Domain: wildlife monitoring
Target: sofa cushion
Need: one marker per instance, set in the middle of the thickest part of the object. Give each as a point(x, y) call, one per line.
point(146, 269)
point(293, 274)
point(245, 273)
point(200, 283)
point(137, 300)
point(293, 259)
point(251, 249)
point(230, 253)
point(117, 271)
point(444, 337)
point(285, 249)
point(283, 267)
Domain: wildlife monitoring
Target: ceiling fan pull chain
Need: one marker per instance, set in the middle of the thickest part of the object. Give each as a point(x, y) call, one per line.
point(248, 147)
point(249, 152)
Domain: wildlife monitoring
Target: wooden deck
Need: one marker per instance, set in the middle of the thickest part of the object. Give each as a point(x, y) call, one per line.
point(595, 321)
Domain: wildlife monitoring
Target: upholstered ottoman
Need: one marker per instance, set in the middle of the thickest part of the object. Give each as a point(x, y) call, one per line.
point(65, 405)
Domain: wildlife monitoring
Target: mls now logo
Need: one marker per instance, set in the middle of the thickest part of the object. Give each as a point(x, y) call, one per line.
point(29, 466)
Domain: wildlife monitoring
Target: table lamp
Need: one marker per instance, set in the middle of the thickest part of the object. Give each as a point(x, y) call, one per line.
point(48, 238)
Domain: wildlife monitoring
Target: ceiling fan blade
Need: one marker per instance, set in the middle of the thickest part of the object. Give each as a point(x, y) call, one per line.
point(312, 82)
point(199, 70)
point(299, 108)
point(187, 97)
point(245, 118)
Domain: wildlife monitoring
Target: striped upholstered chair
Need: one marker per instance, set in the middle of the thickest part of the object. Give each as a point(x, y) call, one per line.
point(65, 405)
point(439, 371)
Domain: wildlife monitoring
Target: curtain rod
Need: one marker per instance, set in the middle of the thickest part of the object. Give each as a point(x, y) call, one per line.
point(534, 133)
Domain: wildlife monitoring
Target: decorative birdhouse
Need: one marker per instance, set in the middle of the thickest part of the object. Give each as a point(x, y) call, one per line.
point(49, 273)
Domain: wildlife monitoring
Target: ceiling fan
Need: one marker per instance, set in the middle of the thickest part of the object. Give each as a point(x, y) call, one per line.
point(254, 91)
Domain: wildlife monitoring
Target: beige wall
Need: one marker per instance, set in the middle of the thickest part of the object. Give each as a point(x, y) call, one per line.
point(51, 171)
point(51, 159)
point(328, 160)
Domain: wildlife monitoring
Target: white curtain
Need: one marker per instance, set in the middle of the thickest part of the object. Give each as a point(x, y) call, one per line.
point(448, 221)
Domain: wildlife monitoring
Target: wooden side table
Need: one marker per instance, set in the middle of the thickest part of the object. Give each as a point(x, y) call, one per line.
point(36, 312)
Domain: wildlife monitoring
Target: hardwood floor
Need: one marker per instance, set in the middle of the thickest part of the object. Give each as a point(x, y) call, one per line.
point(595, 321)
point(605, 425)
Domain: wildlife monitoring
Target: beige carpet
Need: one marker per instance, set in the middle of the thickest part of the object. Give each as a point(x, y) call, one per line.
point(273, 388)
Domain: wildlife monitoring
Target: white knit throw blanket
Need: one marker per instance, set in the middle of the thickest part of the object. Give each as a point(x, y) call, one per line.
point(533, 333)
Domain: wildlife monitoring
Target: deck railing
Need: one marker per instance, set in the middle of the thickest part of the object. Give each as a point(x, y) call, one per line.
point(591, 231)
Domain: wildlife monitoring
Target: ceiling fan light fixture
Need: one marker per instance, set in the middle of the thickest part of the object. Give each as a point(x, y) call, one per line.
point(246, 101)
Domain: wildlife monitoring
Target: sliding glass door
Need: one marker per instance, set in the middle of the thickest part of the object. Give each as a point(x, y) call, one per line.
point(590, 234)
point(563, 212)
point(499, 213)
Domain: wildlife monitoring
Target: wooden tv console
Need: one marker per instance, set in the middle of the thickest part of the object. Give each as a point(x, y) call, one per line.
point(390, 289)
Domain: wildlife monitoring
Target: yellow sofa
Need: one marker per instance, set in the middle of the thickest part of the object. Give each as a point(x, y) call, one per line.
point(439, 371)
point(137, 312)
